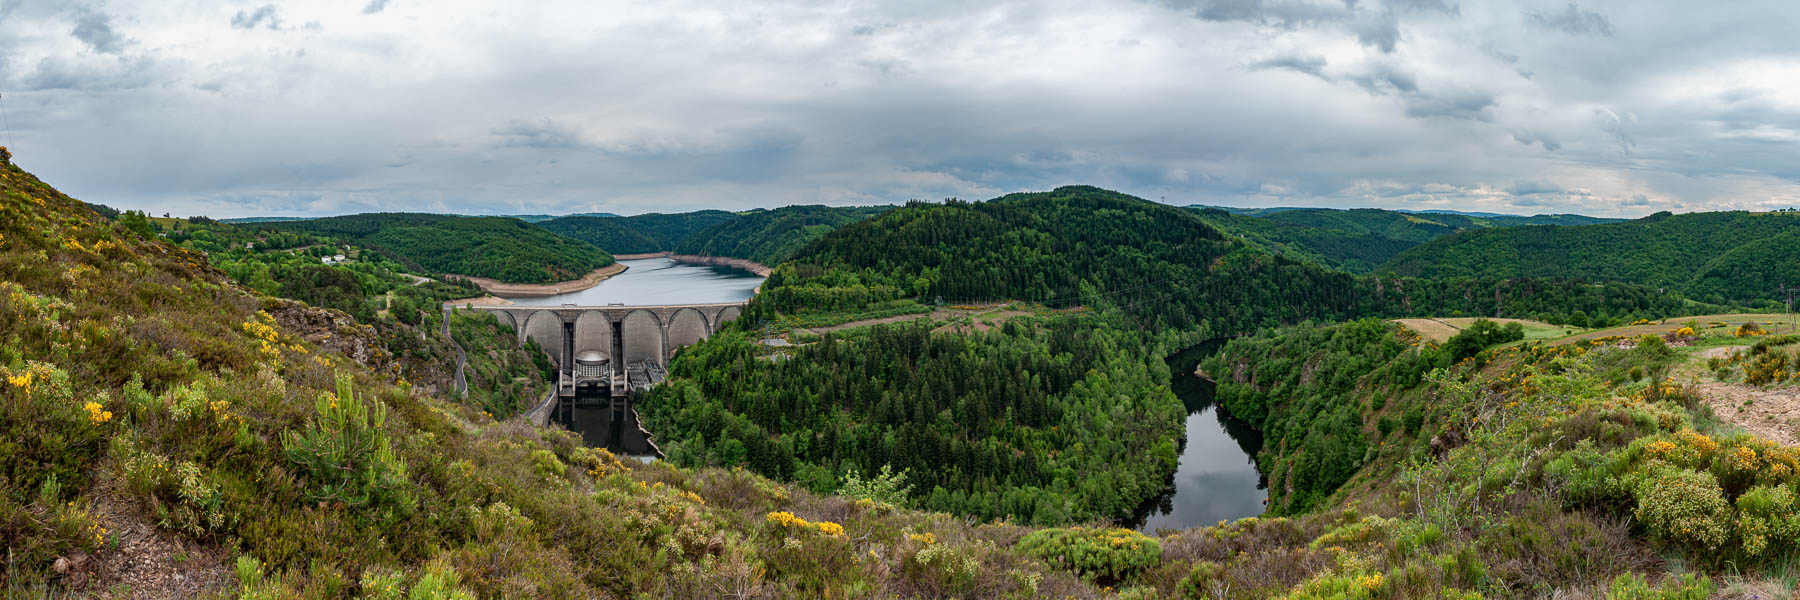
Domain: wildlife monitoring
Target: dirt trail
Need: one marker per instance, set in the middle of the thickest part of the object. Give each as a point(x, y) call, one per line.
point(986, 317)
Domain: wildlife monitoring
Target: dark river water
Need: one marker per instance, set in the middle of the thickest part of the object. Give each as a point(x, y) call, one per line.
point(1217, 478)
point(660, 281)
point(603, 425)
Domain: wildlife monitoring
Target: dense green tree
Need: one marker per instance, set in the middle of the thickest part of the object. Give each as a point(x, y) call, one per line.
point(500, 248)
point(1719, 256)
point(639, 234)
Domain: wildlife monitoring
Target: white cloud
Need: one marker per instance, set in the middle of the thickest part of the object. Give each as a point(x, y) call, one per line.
point(234, 108)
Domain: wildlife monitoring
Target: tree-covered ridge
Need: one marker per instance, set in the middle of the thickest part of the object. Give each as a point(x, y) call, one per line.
point(772, 236)
point(638, 234)
point(1042, 422)
point(1676, 252)
point(1477, 219)
point(1361, 239)
point(1166, 267)
point(499, 248)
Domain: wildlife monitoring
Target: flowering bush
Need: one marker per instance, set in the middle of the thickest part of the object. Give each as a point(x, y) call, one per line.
point(1684, 507)
point(1102, 554)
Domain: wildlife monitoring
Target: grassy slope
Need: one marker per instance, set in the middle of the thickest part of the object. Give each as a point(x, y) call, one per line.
point(1534, 470)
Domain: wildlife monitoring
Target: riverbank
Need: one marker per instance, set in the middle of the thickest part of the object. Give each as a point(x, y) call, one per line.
point(761, 270)
point(533, 290)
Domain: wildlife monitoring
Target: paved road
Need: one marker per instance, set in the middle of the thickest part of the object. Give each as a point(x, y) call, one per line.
point(462, 358)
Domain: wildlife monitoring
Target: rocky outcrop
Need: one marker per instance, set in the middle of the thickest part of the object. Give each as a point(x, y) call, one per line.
point(334, 330)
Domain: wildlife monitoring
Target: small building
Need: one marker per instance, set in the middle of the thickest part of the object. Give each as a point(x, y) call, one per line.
point(592, 365)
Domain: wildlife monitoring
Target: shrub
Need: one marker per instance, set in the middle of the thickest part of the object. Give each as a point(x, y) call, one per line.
point(346, 453)
point(886, 486)
point(1101, 554)
point(1683, 507)
point(44, 433)
point(1766, 519)
point(1632, 586)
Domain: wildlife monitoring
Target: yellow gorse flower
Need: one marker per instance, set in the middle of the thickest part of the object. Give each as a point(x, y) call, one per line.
point(789, 521)
point(97, 414)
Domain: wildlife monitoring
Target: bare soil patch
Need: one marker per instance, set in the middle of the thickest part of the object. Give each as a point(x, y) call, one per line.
point(1431, 329)
point(147, 562)
point(1769, 413)
point(517, 290)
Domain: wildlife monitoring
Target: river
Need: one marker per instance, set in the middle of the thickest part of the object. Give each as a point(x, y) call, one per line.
point(649, 281)
point(1217, 477)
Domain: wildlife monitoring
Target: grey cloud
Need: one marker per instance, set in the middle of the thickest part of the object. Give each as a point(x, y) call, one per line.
point(1381, 31)
point(707, 105)
point(94, 28)
point(55, 73)
point(1533, 188)
point(1544, 139)
point(1636, 200)
point(1529, 201)
point(1615, 125)
point(1310, 64)
point(1276, 13)
point(374, 6)
point(1573, 20)
point(1469, 105)
point(264, 15)
point(1383, 79)
point(542, 134)
point(1443, 6)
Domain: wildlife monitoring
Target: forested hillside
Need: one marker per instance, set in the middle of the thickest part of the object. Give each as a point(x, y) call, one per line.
point(499, 248)
point(772, 236)
point(1357, 240)
point(1166, 267)
point(964, 416)
point(1717, 256)
point(639, 234)
point(1045, 422)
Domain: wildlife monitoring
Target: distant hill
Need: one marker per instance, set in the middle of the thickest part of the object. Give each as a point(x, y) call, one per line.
point(1167, 268)
point(500, 248)
point(1360, 239)
point(248, 220)
point(771, 236)
point(1737, 256)
point(542, 218)
point(653, 232)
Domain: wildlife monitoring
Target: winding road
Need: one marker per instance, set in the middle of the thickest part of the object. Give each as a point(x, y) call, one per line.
point(462, 358)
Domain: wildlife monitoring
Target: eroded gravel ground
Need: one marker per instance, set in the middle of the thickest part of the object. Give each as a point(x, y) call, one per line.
point(1769, 413)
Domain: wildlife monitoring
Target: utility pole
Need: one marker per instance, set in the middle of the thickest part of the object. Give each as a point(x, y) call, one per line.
point(1790, 309)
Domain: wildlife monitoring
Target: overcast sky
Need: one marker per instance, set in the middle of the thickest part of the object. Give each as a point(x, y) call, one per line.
point(231, 108)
